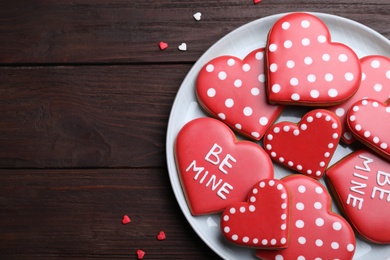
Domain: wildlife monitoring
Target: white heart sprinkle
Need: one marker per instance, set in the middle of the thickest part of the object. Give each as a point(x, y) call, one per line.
point(183, 47)
point(198, 16)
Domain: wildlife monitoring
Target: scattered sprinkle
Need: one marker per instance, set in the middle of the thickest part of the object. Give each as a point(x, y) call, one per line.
point(161, 236)
point(125, 220)
point(256, 1)
point(163, 45)
point(183, 47)
point(198, 16)
point(140, 254)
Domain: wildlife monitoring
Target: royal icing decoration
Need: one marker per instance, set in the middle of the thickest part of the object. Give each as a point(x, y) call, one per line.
point(215, 169)
point(233, 91)
point(261, 222)
point(361, 184)
point(305, 67)
point(369, 121)
point(306, 147)
point(375, 84)
point(315, 231)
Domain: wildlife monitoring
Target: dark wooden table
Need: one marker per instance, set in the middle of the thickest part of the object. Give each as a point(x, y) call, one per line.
point(85, 96)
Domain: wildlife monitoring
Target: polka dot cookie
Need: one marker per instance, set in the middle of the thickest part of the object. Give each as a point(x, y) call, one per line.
point(304, 67)
point(233, 91)
point(361, 186)
point(261, 222)
point(306, 147)
point(369, 121)
point(375, 84)
point(215, 169)
point(315, 231)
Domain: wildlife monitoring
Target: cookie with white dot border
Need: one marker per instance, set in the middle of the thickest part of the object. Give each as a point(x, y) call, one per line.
point(305, 67)
point(369, 121)
point(375, 84)
point(233, 90)
point(261, 222)
point(315, 231)
point(306, 147)
point(360, 183)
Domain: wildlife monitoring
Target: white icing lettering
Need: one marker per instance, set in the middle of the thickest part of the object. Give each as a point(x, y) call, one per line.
point(382, 193)
point(354, 201)
point(214, 151)
point(224, 189)
point(365, 163)
point(212, 180)
point(226, 163)
point(360, 176)
point(358, 186)
point(213, 157)
point(385, 179)
point(199, 170)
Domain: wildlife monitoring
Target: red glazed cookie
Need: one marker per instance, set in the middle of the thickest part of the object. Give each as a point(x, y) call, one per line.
point(215, 169)
point(261, 222)
point(306, 147)
point(369, 121)
point(305, 67)
point(375, 84)
point(233, 91)
point(361, 184)
point(315, 231)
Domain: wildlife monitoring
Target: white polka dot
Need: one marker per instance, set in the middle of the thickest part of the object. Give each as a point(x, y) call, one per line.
point(305, 24)
point(383, 145)
point(349, 76)
point(322, 164)
point(321, 39)
point(343, 57)
point(263, 121)
point(335, 136)
point(261, 78)
point(252, 199)
point(255, 241)
point(285, 25)
point(300, 206)
point(222, 75)
point(229, 103)
point(301, 257)
point(303, 127)
point(222, 116)
point(326, 155)
point(270, 136)
point(299, 167)
point(294, 81)
point(279, 187)
point(311, 78)
point(210, 68)
point(248, 111)
point(299, 223)
point(367, 134)
point(335, 245)
point(302, 240)
point(238, 83)
point(264, 241)
point(255, 91)
point(226, 229)
point(275, 88)
point(262, 184)
point(332, 92)
point(276, 130)
point(231, 62)
point(337, 226)
point(318, 114)
point(317, 205)
point(319, 190)
point(358, 127)
point(302, 189)
point(388, 74)
point(246, 67)
point(314, 93)
point(328, 77)
point(272, 47)
point(259, 55)
point(271, 183)
point(283, 227)
point(378, 87)
point(273, 241)
point(350, 247)
point(245, 239)
point(375, 64)
point(296, 132)
point(283, 240)
point(347, 135)
point(255, 134)
point(287, 44)
point(320, 222)
point(340, 112)
point(283, 196)
point(295, 97)
point(305, 42)
point(330, 145)
point(309, 119)
point(308, 60)
point(232, 210)
point(283, 216)
point(252, 208)
point(290, 64)
point(290, 163)
point(284, 205)
point(238, 126)
point(279, 257)
point(319, 242)
point(211, 92)
point(234, 237)
point(273, 67)
point(325, 57)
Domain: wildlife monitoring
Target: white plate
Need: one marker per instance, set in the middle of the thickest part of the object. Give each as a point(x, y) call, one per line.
point(363, 40)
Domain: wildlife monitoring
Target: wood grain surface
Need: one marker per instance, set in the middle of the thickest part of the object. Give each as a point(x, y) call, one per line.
point(85, 97)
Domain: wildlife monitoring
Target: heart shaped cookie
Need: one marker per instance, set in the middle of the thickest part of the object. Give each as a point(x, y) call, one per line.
point(315, 231)
point(375, 84)
point(306, 147)
point(261, 222)
point(361, 185)
point(215, 169)
point(305, 67)
point(233, 91)
point(369, 121)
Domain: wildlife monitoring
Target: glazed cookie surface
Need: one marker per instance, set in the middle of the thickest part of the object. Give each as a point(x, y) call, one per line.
point(361, 184)
point(233, 90)
point(305, 67)
point(215, 169)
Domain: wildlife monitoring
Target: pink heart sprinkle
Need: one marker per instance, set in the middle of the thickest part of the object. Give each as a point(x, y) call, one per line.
point(125, 220)
point(256, 1)
point(140, 254)
point(161, 236)
point(163, 45)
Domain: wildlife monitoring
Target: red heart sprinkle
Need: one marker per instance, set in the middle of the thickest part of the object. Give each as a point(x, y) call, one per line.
point(161, 236)
point(256, 1)
point(140, 254)
point(125, 220)
point(163, 45)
